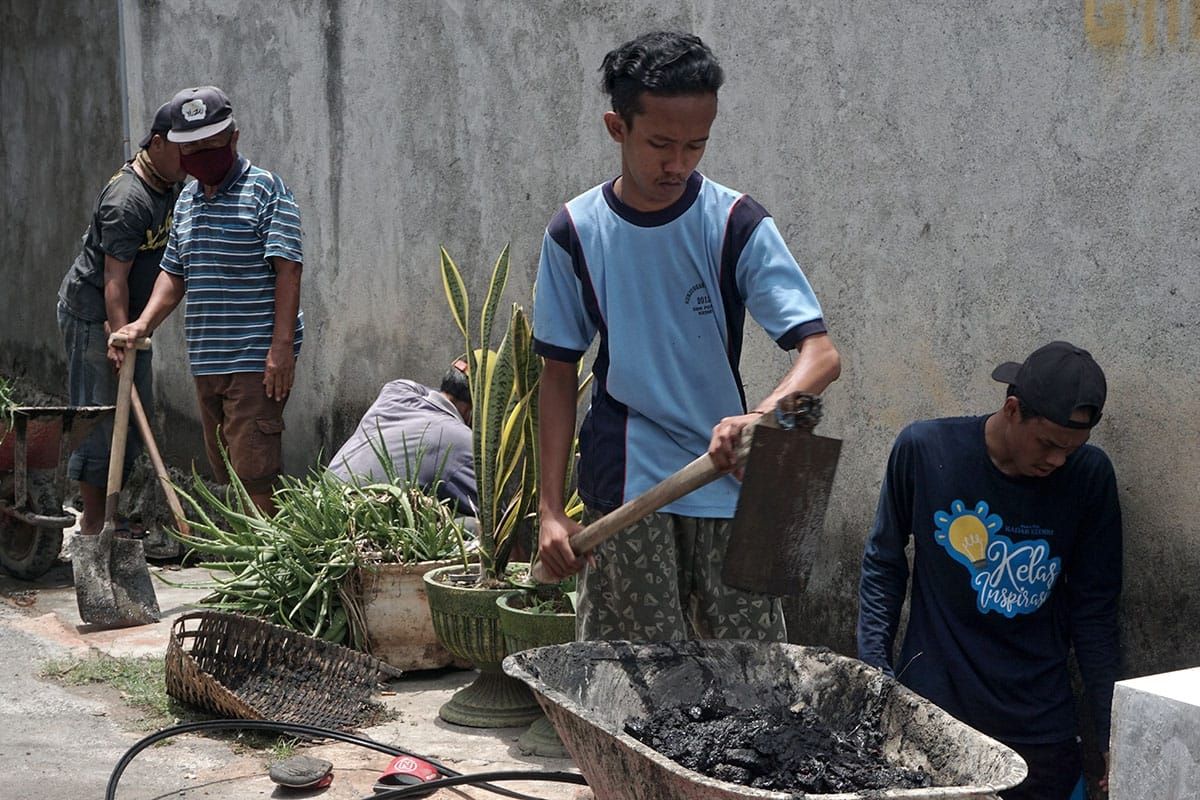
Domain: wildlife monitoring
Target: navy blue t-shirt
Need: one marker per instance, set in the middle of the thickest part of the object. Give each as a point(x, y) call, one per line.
point(1008, 573)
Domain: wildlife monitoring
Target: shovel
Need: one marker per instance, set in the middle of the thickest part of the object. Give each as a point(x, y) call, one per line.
point(112, 582)
point(788, 472)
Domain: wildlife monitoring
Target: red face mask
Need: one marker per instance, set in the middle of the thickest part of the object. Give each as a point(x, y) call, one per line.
point(209, 166)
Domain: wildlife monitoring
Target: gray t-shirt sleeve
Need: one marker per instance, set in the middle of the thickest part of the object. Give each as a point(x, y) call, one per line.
point(123, 219)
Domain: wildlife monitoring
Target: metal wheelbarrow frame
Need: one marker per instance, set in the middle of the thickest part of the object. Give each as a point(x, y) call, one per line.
point(31, 524)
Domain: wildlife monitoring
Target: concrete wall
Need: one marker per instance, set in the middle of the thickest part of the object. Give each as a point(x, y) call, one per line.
point(61, 139)
point(962, 182)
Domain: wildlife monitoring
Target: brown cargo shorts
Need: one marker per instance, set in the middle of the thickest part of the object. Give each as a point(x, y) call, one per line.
point(660, 580)
point(250, 426)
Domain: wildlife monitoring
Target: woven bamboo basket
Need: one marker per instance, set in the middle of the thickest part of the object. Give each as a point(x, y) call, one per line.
point(246, 668)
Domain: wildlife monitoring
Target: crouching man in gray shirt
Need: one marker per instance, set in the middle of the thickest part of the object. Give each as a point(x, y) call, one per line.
point(425, 433)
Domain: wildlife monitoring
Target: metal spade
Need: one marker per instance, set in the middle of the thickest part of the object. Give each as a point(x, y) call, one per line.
point(112, 583)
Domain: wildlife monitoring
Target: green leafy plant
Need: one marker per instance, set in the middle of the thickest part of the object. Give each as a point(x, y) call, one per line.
point(548, 598)
point(299, 567)
point(504, 425)
point(6, 405)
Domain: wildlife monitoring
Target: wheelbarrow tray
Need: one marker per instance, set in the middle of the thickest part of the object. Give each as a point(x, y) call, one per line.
point(44, 433)
point(590, 689)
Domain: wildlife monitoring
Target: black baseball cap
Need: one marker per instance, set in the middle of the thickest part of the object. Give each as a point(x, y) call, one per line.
point(1056, 380)
point(198, 113)
point(161, 124)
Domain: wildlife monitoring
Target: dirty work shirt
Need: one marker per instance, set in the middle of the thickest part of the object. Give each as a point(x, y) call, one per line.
point(667, 292)
point(130, 223)
point(422, 433)
point(221, 247)
point(1007, 574)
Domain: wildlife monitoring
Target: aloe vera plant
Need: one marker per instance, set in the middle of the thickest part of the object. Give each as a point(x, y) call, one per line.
point(299, 566)
point(504, 394)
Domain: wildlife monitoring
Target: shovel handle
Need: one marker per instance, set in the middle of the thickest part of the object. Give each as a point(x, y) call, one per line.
point(116, 456)
point(120, 340)
point(160, 469)
point(699, 472)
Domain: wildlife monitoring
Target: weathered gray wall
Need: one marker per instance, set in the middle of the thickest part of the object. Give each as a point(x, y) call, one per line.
point(60, 112)
point(962, 182)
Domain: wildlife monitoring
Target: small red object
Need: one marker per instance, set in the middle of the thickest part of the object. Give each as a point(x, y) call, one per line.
point(407, 771)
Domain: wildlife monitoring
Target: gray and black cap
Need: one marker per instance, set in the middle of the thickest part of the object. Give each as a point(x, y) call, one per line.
point(198, 113)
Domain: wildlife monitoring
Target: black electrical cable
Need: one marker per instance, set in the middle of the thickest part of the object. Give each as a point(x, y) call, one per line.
point(312, 731)
point(421, 789)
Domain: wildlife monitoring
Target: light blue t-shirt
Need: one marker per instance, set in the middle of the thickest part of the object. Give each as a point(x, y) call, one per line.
point(667, 293)
point(222, 248)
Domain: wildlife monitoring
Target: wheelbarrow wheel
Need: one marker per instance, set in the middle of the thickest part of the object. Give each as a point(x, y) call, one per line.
point(27, 551)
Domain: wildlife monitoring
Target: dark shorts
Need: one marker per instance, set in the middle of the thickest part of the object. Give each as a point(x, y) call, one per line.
point(660, 580)
point(1055, 771)
point(92, 381)
point(250, 425)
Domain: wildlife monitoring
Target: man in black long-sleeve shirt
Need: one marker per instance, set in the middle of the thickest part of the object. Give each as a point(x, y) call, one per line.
point(1016, 530)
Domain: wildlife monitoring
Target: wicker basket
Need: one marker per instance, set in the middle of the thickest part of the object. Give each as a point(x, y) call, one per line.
point(246, 668)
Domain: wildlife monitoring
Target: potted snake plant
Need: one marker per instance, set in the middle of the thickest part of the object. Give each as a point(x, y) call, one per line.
point(504, 400)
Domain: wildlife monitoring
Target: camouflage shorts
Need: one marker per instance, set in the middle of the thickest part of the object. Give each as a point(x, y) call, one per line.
point(660, 580)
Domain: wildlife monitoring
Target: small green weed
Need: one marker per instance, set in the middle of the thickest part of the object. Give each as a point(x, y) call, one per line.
point(141, 682)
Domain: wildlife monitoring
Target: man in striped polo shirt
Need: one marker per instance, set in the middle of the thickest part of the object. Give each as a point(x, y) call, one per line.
point(234, 251)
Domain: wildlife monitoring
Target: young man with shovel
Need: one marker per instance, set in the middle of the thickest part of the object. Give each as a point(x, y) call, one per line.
point(1016, 532)
point(235, 251)
point(109, 284)
point(662, 263)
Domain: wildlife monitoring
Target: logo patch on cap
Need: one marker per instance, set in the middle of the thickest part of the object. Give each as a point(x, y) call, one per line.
point(194, 110)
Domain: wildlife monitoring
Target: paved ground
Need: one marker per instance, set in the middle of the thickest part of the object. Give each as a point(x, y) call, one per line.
point(62, 742)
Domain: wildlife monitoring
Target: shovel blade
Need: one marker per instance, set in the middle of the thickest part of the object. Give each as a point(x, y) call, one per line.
point(781, 511)
point(113, 588)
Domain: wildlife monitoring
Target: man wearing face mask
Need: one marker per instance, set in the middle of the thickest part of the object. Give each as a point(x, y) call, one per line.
point(235, 252)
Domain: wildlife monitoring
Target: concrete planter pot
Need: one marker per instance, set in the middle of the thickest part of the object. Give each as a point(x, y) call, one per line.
point(396, 610)
point(467, 621)
point(524, 629)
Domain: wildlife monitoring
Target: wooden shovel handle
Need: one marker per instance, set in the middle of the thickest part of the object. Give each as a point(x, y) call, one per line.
point(116, 456)
point(160, 469)
point(699, 472)
point(118, 340)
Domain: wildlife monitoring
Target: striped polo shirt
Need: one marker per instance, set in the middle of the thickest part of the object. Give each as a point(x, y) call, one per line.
point(667, 293)
point(221, 247)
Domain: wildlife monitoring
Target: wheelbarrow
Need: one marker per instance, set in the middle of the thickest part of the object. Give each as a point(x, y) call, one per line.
point(33, 477)
point(589, 690)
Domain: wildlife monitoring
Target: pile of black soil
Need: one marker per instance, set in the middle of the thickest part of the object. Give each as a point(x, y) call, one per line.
point(772, 748)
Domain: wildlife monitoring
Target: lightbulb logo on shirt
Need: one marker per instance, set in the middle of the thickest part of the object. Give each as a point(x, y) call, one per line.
point(1009, 577)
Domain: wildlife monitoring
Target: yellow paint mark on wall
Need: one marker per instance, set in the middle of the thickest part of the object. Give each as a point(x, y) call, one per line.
point(1106, 23)
point(1109, 29)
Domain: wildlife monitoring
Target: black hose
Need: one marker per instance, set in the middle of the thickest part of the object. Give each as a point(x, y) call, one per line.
point(312, 731)
point(421, 789)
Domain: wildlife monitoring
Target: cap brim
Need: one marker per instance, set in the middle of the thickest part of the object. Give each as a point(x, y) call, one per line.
point(1006, 372)
point(196, 134)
